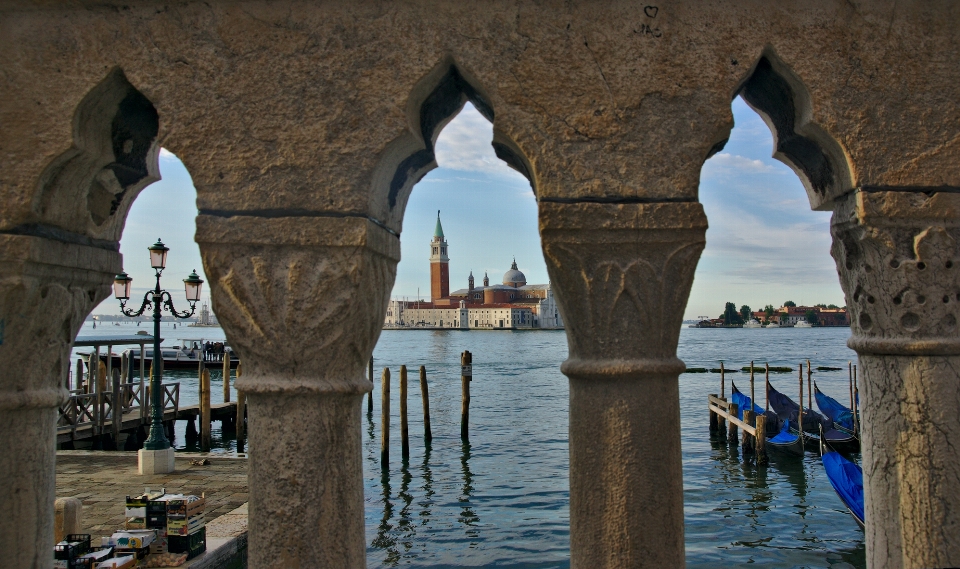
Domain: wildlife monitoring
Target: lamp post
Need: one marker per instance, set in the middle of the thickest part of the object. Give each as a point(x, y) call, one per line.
point(158, 457)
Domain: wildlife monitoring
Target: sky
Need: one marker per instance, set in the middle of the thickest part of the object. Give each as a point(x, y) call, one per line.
point(764, 244)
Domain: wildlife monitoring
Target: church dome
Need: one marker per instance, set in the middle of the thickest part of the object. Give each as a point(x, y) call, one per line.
point(514, 277)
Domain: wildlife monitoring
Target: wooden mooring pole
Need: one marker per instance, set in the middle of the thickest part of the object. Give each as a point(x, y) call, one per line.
point(766, 389)
point(850, 374)
point(205, 437)
point(226, 376)
point(713, 417)
point(732, 433)
point(721, 422)
point(809, 385)
point(425, 395)
point(800, 415)
point(116, 407)
point(404, 433)
point(385, 419)
point(241, 412)
point(78, 377)
point(760, 441)
point(466, 376)
point(370, 396)
point(748, 442)
point(856, 406)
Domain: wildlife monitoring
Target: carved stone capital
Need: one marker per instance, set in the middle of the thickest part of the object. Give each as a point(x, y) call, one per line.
point(897, 256)
point(622, 274)
point(301, 299)
point(47, 288)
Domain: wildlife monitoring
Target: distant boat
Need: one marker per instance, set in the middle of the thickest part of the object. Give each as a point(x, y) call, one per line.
point(753, 323)
point(772, 324)
point(803, 324)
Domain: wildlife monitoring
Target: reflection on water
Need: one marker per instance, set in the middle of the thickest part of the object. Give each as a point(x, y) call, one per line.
point(426, 501)
point(502, 499)
point(468, 517)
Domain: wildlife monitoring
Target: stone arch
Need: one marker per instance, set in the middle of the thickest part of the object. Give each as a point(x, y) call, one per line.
point(434, 101)
point(782, 100)
point(89, 188)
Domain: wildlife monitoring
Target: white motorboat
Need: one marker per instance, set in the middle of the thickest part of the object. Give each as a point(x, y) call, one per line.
point(772, 324)
point(803, 324)
point(753, 323)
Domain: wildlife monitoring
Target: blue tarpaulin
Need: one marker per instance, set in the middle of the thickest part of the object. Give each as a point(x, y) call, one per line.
point(834, 411)
point(847, 479)
point(788, 410)
point(784, 437)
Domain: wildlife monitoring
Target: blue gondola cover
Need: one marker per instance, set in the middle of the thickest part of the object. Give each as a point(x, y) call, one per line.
point(847, 479)
point(784, 437)
point(834, 411)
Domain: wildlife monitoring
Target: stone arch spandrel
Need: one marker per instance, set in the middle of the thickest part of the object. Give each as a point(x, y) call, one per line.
point(88, 189)
point(434, 101)
point(784, 103)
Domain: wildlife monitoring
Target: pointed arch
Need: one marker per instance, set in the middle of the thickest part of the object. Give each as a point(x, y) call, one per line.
point(433, 103)
point(784, 103)
point(88, 189)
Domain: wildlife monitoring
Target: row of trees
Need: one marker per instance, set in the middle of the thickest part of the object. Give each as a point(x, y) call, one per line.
point(732, 317)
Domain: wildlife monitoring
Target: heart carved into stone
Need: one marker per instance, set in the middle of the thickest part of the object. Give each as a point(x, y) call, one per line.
point(650, 11)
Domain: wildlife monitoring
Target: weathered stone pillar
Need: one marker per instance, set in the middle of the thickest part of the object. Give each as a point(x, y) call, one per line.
point(302, 301)
point(900, 269)
point(47, 287)
point(622, 274)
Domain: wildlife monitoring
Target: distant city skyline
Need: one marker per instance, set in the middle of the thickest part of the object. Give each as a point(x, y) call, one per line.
point(764, 244)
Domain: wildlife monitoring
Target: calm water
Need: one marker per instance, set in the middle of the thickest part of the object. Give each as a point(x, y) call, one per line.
point(502, 500)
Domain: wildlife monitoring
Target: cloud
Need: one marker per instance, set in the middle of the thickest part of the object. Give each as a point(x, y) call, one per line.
point(464, 145)
point(167, 155)
point(726, 162)
point(751, 249)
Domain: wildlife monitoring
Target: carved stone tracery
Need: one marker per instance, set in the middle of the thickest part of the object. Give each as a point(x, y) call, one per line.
point(897, 257)
point(622, 274)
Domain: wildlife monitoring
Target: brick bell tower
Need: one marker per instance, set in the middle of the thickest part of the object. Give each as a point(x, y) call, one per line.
point(439, 265)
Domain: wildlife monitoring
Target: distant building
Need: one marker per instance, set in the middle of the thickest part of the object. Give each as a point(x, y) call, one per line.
point(513, 304)
point(790, 315)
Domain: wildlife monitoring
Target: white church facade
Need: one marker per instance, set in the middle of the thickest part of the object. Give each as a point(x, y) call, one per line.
point(514, 304)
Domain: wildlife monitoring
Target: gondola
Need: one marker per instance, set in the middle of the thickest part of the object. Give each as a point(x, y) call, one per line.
point(743, 402)
point(787, 441)
point(846, 478)
point(842, 437)
point(788, 410)
point(813, 423)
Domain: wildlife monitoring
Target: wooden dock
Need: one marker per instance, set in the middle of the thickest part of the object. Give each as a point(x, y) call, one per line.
point(131, 420)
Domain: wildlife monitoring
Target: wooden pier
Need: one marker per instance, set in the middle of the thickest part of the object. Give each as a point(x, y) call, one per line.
point(99, 412)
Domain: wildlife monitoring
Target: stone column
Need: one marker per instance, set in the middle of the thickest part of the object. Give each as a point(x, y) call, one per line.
point(622, 274)
point(47, 287)
point(302, 301)
point(897, 256)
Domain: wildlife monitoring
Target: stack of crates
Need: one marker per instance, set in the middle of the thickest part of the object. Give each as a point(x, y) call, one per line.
point(136, 509)
point(67, 552)
point(186, 530)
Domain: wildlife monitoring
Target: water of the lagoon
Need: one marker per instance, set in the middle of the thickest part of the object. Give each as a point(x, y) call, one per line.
point(503, 500)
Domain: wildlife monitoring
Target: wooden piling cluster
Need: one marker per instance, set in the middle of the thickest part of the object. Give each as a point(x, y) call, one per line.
point(753, 433)
point(466, 376)
point(725, 419)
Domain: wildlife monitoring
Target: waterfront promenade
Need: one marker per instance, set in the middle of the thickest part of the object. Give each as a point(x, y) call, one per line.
point(103, 480)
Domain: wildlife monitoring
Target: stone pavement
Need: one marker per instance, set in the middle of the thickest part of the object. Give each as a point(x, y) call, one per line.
point(102, 481)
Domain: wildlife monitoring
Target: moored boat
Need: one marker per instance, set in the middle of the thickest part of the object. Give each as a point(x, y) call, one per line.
point(842, 436)
point(846, 477)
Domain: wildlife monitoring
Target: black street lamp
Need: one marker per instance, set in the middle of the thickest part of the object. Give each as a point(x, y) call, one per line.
point(157, 299)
